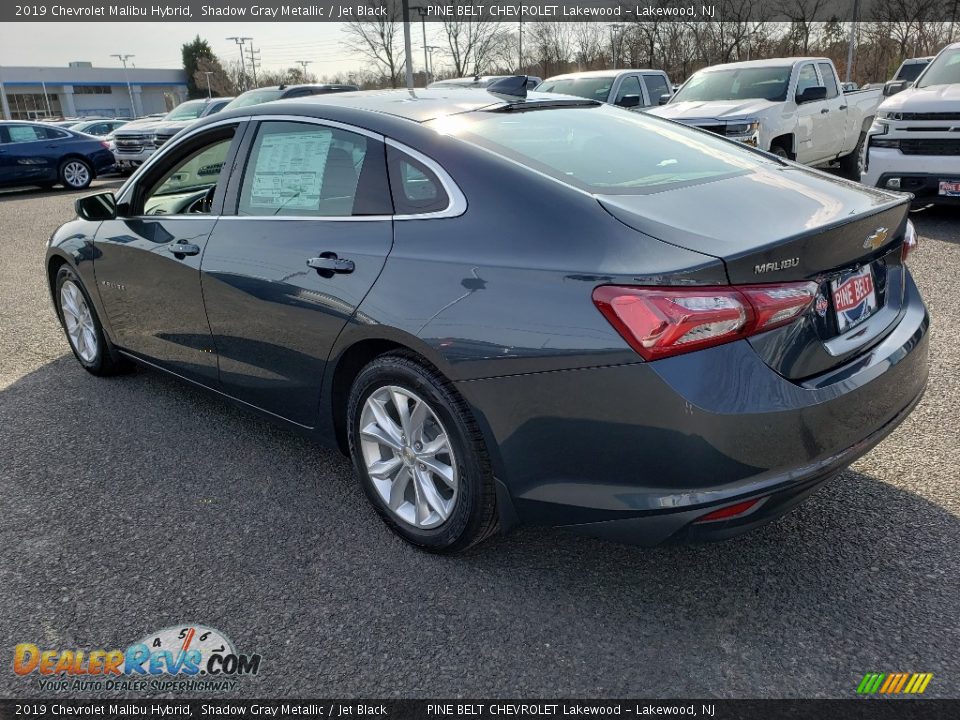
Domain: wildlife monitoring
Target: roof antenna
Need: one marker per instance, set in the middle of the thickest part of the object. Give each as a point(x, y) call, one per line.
point(514, 87)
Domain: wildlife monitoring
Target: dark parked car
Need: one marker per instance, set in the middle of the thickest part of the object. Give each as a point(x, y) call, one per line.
point(282, 92)
point(98, 128)
point(40, 154)
point(506, 310)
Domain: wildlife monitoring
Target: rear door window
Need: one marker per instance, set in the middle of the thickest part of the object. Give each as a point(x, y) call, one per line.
point(310, 170)
point(829, 80)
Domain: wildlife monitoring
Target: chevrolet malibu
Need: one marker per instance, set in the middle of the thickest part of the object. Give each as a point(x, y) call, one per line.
point(513, 308)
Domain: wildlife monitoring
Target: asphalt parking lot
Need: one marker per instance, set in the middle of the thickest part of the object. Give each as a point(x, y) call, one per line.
point(135, 503)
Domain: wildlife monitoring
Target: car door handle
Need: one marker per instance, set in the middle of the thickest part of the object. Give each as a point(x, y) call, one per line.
point(329, 262)
point(824, 111)
point(182, 248)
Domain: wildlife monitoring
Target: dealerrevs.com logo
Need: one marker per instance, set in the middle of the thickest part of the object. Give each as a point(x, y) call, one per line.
point(181, 658)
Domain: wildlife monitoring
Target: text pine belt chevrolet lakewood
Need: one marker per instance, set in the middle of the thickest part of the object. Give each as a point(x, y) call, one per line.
point(512, 308)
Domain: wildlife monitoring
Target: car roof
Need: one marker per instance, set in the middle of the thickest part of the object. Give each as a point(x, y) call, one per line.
point(418, 105)
point(769, 62)
point(600, 73)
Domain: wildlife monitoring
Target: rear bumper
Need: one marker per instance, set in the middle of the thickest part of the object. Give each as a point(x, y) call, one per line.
point(919, 174)
point(638, 452)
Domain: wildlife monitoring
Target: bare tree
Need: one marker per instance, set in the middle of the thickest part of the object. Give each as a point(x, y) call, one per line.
point(471, 43)
point(380, 41)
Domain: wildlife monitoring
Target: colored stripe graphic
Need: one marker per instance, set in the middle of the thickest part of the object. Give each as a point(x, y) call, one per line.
point(894, 683)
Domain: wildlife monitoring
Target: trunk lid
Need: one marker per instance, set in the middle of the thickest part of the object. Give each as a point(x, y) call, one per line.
point(785, 224)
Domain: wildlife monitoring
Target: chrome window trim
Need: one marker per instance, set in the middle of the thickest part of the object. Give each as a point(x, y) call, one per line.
point(456, 206)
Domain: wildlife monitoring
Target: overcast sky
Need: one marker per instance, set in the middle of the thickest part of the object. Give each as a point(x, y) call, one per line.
point(157, 45)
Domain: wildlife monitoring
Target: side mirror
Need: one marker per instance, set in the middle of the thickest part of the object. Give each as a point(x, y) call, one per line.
point(629, 101)
point(892, 87)
point(810, 94)
point(102, 206)
point(665, 98)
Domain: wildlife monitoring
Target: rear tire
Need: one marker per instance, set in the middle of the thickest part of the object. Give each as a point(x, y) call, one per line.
point(82, 327)
point(441, 500)
point(851, 166)
point(75, 174)
point(780, 151)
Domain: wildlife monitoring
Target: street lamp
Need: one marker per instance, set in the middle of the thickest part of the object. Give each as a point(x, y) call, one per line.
point(126, 76)
point(615, 29)
point(431, 49)
point(407, 52)
point(208, 73)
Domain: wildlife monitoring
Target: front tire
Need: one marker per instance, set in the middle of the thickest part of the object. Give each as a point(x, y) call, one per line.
point(82, 326)
point(75, 174)
point(420, 456)
point(851, 166)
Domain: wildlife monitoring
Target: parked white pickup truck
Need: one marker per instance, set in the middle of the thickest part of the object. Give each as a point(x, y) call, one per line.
point(793, 107)
point(914, 144)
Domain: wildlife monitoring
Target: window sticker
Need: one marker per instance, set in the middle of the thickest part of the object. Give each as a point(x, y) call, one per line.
point(289, 170)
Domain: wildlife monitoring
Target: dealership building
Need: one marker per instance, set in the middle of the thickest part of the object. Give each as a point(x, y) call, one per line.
point(82, 90)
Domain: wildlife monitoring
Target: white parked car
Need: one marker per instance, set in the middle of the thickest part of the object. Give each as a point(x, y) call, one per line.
point(914, 144)
point(792, 107)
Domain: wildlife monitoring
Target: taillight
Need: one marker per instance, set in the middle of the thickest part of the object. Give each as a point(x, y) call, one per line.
point(659, 322)
point(910, 241)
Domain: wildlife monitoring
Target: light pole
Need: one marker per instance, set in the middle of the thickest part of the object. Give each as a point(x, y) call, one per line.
point(520, 54)
point(243, 66)
point(4, 107)
point(254, 61)
point(426, 65)
point(615, 29)
point(430, 49)
point(208, 73)
point(303, 73)
point(126, 76)
point(407, 51)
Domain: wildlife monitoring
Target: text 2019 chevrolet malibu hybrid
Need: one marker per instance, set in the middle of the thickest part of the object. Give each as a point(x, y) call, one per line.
point(513, 309)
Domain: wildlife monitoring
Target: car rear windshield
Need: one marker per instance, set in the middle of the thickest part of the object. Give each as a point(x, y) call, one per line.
point(768, 83)
point(595, 88)
point(254, 97)
point(910, 71)
point(603, 149)
point(944, 70)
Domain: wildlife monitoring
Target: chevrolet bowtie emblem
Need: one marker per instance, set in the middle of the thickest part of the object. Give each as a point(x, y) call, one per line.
point(878, 238)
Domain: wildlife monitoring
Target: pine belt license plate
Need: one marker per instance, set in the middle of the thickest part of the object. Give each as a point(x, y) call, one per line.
point(854, 297)
point(950, 188)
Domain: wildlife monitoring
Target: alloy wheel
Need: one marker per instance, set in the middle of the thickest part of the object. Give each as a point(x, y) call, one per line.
point(409, 457)
point(76, 174)
point(79, 321)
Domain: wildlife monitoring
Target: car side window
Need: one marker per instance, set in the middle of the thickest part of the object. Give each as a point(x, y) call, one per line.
point(54, 133)
point(311, 170)
point(656, 87)
point(629, 88)
point(829, 80)
point(25, 133)
point(189, 186)
point(416, 189)
point(807, 78)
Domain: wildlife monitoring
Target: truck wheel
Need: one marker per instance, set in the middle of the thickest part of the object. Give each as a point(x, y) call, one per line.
point(851, 166)
point(780, 151)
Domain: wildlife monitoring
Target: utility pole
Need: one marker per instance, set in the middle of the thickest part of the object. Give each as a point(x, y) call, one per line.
point(426, 65)
point(615, 29)
point(407, 51)
point(123, 59)
point(254, 61)
point(208, 73)
point(243, 67)
point(853, 39)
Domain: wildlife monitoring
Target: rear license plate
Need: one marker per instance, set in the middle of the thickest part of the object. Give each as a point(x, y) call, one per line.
point(950, 188)
point(854, 297)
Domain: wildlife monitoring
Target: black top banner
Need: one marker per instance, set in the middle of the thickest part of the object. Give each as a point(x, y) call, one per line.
point(651, 11)
point(862, 709)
